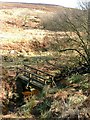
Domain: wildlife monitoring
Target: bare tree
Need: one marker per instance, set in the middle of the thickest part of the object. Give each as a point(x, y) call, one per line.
point(78, 22)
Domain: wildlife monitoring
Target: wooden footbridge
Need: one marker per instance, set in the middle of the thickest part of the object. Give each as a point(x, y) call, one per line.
point(30, 77)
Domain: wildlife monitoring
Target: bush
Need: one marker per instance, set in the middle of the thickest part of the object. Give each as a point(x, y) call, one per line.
point(75, 78)
point(26, 109)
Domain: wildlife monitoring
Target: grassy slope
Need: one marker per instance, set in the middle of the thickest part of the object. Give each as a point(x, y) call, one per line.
point(18, 40)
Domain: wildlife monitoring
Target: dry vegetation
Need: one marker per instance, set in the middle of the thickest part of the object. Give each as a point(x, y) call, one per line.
point(24, 40)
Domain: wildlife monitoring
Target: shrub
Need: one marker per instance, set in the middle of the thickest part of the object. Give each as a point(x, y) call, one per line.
point(26, 109)
point(75, 78)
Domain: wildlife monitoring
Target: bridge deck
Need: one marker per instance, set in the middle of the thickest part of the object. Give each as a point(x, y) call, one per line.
point(34, 77)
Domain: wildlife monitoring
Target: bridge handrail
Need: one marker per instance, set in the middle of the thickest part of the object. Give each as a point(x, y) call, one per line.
point(23, 70)
point(38, 70)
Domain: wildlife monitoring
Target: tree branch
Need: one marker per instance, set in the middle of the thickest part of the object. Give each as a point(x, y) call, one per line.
point(76, 31)
point(71, 49)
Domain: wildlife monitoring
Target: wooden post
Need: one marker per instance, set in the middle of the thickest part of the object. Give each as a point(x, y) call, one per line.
point(17, 72)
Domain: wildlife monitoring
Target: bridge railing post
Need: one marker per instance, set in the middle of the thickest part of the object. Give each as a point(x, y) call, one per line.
point(17, 72)
point(52, 81)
